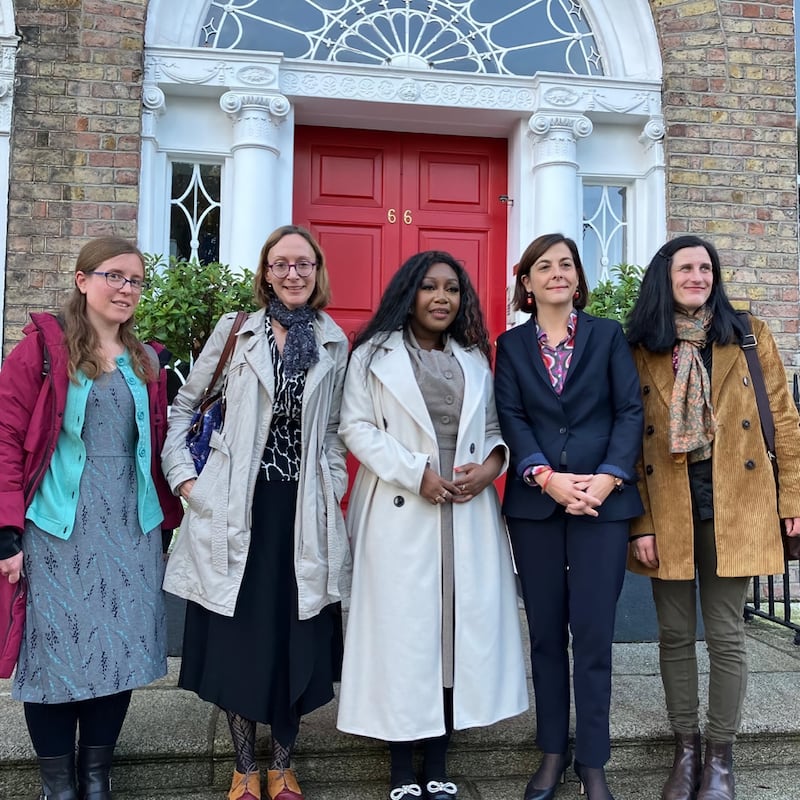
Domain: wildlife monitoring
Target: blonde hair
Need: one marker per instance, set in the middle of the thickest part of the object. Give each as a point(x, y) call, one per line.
point(321, 295)
point(80, 337)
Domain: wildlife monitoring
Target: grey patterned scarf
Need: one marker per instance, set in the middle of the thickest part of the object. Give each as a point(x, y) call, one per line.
point(300, 350)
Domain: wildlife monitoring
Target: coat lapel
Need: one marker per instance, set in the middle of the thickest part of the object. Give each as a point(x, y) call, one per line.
point(393, 369)
point(722, 362)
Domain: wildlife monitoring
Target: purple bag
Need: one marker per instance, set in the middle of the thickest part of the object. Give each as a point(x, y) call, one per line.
point(12, 622)
point(209, 415)
point(205, 421)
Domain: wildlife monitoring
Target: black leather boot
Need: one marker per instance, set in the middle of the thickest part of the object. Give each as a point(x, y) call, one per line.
point(58, 778)
point(717, 782)
point(684, 779)
point(94, 772)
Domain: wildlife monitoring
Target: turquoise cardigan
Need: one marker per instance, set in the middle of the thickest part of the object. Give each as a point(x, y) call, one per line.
point(55, 503)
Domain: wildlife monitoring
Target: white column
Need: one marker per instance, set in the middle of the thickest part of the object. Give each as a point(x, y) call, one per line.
point(256, 206)
point(556, 187)
point(647, 225)
point(154, 193)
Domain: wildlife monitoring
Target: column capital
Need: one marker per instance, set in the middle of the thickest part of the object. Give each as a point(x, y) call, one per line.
point(577, 126)
point(653, 131)
point(154, 104)
point(256, 118)
point(555, 137)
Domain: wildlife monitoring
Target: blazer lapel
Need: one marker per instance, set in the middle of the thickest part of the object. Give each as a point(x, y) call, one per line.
point(530, 349)
point(582, 334)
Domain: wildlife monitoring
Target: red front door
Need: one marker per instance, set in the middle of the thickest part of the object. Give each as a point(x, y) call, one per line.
point(374, 198)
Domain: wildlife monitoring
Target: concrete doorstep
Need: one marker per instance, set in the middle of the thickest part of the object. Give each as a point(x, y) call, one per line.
point(175, 745)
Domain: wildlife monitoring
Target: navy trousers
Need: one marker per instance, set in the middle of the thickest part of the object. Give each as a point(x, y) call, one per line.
point(571, 570)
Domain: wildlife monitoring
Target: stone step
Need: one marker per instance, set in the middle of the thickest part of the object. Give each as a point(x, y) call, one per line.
point(174, 744)
point(753, 783)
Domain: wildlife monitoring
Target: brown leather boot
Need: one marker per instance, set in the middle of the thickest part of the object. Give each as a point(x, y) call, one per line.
point(717, 782)
point(686, 768)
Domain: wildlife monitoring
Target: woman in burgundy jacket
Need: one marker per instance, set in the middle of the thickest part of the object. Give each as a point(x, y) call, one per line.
point(82, 507)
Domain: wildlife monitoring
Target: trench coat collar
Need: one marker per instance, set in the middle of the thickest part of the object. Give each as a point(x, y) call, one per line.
point(394, 370)
point(257, 353)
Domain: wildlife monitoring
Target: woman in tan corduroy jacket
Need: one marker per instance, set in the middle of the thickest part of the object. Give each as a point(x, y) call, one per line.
point(706, 481)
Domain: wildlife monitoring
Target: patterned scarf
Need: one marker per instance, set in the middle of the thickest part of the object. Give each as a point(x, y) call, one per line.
point(300, 350)
point(691, 417)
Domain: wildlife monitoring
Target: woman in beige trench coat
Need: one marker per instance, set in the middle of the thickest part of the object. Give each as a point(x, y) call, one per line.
point(710, 498)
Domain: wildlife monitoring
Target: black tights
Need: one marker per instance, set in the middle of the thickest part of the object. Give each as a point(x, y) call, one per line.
point(243, 733)
point(434, 753)
point(53, 726)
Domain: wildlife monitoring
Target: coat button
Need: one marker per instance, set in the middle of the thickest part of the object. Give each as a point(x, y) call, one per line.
point(746, 424)
point(749, 464)
point(399, 501)
point(649, 469)
point(562, 430)
point(645, 389)
point(746, 381)
point(445, 419)
point(650, 430)
point(472, 448)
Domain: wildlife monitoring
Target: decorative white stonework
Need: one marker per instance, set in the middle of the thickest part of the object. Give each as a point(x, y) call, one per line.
point(370, 85)
point(155, 104)
point(654, 130)
point(582, 94)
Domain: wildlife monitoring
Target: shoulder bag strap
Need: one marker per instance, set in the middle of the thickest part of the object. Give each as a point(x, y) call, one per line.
point(749, 344)
point(230, 342)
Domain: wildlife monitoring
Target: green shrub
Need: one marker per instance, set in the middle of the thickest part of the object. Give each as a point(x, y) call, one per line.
point(184, 301)
point(614, 298)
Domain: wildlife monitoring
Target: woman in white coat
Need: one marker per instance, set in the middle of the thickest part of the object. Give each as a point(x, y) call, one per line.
point(433, 636)
point(262, 554)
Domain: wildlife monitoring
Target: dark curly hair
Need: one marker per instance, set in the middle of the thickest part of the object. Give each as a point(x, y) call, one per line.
point(395, 308)
point(651, 322)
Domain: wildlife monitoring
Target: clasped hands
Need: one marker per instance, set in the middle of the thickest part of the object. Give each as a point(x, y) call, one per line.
point(471, 479)
point(579, 494)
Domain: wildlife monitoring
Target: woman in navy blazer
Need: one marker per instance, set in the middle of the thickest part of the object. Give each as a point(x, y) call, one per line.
point(568, 400)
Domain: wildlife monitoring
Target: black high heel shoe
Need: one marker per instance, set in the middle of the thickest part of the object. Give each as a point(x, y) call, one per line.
point(593, 782)
point(535, 793)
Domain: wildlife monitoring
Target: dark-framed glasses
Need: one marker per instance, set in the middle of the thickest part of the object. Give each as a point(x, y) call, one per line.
point(303, 267)
point(117, 280)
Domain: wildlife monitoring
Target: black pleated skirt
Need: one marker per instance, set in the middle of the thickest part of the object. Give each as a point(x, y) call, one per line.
point(263, 663)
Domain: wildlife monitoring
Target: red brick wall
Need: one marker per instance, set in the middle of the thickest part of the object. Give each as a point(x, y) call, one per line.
point(731, 145)
point(75, 142)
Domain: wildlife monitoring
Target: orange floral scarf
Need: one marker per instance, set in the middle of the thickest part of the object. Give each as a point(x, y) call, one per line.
point(691, 417)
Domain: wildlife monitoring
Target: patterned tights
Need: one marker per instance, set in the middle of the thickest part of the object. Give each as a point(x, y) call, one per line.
point(243, 733)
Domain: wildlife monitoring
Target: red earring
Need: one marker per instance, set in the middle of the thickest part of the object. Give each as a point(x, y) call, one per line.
point(576, 295)
point(528, 305)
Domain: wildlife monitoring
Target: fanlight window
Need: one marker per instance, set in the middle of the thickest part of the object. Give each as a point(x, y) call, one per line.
point(502, 37)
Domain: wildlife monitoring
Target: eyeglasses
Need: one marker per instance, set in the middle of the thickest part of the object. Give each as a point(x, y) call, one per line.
point(116, 280)
point(303, 268)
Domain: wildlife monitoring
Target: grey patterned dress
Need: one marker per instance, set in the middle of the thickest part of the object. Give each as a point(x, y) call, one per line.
point(95, 620)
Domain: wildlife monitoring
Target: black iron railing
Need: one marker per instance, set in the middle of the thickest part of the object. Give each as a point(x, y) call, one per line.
point(772, 599)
